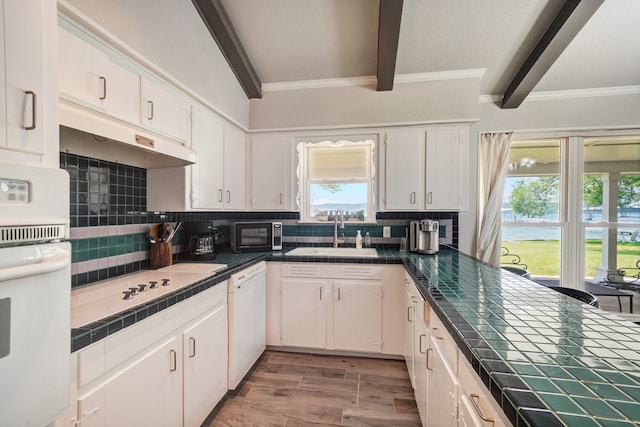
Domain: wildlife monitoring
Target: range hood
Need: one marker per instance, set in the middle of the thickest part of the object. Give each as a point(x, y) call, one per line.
point(115, 140)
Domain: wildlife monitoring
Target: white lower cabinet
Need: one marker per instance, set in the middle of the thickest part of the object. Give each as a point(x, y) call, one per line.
point(447, 390)
point(357, 316)
point(204, 365)
point(443, 388)
point(167, 370)
point(335, 307)
point(421, 374)
point(149, 392)
point(304, 312)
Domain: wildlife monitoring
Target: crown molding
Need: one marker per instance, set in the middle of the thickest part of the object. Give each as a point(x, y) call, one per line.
point(569, 94)
point(474, 73)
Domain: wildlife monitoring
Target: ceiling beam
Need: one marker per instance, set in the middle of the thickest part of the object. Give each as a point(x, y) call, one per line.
point(389, 18)
point(569, 21)
point(219, 25)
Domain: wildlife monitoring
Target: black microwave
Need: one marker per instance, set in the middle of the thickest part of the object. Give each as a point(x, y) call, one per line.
point(256, 236)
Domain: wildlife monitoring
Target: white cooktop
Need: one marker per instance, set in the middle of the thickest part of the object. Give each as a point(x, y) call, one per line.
point(104, 299)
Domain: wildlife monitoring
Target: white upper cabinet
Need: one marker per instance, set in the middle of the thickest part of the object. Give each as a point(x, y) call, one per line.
point(425, 168)
point(89, 77)
point(207, 175)
point(218, 179)
point(403, 185)
point(28, 107)
point(235, 168)
point(164, 110)
point(271, 177)
point(447, 169)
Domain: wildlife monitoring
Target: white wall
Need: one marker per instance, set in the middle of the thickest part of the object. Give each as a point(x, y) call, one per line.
point(569, 115)
point(425, 102)
point(171, 34)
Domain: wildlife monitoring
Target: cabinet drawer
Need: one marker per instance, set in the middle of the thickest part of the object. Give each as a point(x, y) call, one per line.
point(449, 347)
point(475, 399)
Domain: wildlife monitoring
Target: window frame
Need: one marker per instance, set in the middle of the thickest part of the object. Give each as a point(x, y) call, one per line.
point(303, 200)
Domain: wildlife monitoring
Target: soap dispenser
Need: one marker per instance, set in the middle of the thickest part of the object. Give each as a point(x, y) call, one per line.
point(359, 240)
point(367, 240)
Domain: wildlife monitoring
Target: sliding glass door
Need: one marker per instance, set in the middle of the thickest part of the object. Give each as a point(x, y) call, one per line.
point(571, 209)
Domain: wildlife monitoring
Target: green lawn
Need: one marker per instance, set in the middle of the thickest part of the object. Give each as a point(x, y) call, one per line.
point(543, 256)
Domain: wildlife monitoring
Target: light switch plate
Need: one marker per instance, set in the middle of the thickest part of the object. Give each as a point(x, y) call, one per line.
point(386, 231)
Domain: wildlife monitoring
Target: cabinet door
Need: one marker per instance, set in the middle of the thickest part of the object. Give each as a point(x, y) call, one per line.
point(205, 365)
point(421, 371)
point(304, 313)
point(446, 169)
point(120, 91)
point(26, 97)
point(79, 69)
point(207, 190)
point(91, 409)
point(271, 158)
point(164, 111)
point(403, 177)
point(409, 337)
point(149, 391)
point(357, 315)
point(443, 388)
point(235, 168)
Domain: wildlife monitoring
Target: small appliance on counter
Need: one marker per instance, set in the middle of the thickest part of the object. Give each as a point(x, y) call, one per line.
point(424, 236)
point(256, 236)
point(201, 244)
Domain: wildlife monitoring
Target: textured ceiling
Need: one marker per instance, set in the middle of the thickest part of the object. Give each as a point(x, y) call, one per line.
point(298, 40)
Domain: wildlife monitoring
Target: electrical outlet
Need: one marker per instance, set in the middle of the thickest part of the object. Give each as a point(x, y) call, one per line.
point(386, 231)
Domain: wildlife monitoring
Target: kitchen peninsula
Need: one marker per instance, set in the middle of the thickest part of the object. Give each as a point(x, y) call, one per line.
point(544, 357)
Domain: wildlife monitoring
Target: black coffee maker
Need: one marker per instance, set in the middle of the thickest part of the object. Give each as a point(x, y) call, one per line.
point(201, 244)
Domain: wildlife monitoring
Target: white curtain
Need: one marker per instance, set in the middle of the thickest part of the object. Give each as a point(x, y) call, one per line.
point(494, 162)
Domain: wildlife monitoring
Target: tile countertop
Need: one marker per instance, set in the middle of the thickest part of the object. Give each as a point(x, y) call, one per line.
point(547, 359)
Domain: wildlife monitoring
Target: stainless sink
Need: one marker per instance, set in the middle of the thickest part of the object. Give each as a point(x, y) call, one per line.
point(334, 252)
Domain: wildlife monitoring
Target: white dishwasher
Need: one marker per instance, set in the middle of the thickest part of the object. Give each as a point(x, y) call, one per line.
point(247, 320)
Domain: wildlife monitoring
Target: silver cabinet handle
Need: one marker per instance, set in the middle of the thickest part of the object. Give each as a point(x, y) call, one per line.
point(476, 405)
point(338, 294)
point(409, 319)
point(429, 350)
point(280, 198)
point(192, 345)
point(228, 196)
point(173, 361)
point(413, 198)
point(429, 197)
point(34, 101)
point(420, 344)
point(103, 80)
point(220, 195)
point(150, 104)
point(438, 336)
point(320, 292)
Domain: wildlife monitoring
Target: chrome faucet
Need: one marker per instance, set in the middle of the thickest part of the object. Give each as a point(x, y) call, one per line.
point(337, 241)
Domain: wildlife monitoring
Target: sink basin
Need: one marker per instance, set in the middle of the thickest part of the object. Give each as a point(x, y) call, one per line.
point(334, 252)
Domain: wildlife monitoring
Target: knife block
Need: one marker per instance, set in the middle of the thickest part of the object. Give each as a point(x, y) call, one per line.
point(160, 255)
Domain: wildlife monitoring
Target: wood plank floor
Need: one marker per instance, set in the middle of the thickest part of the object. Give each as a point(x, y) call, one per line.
point(300, 390)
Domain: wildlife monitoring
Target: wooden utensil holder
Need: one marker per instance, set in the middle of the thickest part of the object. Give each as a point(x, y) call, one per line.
point(160, 255)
